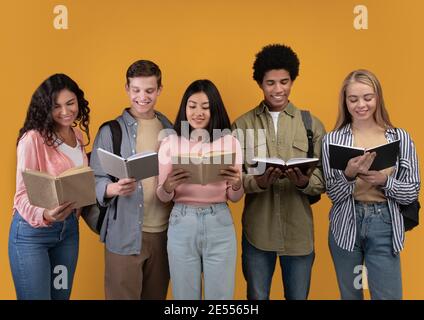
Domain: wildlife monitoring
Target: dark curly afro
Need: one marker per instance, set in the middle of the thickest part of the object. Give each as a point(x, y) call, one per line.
point(275, 57)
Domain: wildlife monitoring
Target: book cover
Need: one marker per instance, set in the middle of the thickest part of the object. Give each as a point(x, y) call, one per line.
point(139, 166)
point(73, 185)
point(386, 155)
point(204, 168)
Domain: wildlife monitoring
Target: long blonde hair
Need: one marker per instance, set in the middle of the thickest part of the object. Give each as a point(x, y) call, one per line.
point(381, 116)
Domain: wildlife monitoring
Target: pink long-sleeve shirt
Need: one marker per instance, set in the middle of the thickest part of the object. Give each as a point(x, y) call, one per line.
point(33, 153)
point(196, 194)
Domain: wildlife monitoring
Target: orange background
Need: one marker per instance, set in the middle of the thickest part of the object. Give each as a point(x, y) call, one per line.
point(217, 40)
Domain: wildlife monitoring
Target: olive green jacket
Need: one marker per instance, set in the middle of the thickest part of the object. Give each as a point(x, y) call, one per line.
point(279, 218)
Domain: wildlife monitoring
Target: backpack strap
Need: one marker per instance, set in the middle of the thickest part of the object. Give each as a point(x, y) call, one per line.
point(307, 122)
point(116, 130)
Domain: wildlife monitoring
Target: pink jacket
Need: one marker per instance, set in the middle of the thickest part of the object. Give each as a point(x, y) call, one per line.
point(196, 194)
point(33, 153)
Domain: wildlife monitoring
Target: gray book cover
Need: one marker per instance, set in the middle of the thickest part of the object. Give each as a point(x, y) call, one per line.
point(139, 166)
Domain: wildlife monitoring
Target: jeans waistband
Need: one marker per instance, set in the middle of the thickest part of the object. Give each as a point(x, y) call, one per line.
point(371, 205)
point(208, 209)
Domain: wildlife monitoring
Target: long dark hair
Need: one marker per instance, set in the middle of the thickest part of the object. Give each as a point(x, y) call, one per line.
point(39, 114)
point(219, 117)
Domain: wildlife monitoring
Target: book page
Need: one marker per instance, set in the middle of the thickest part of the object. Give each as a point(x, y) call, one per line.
point(141, 155)
point(75, 170)
point(294, 161)
point(272, 160)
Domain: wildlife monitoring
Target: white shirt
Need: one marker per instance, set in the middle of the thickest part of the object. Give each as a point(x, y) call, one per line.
point(75, 154)
point(274, 115)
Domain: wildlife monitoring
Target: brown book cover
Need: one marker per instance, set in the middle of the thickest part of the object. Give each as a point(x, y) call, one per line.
point(204, 168)
point(73, 185)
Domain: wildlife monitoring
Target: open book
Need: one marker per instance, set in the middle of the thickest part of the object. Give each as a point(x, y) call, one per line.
point(204, 168)
point(139, 166)
point(386, 155)
point(73, 185)
point(302, 163)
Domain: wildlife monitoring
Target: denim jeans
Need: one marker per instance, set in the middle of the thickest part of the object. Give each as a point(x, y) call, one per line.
point(43, 260)
point(202, 240)
point(374, 247)
point(258, 269)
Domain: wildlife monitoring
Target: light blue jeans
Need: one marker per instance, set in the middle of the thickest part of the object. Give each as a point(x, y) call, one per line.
point(202, 240)
point(374, 247)
point(43, 260)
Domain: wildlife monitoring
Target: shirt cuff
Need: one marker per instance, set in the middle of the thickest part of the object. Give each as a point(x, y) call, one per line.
point(250, 185)
point(163, 195)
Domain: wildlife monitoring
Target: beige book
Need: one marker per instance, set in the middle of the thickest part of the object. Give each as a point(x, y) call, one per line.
point(73, 185)
point(204, 168)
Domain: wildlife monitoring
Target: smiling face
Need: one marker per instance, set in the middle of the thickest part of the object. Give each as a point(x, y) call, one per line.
point(65, 109)
point(276, 86)
point(197, 110)
point(143, 93)
point(361, 102)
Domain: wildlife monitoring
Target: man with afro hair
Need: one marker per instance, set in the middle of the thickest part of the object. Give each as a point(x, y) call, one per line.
point(277, 217)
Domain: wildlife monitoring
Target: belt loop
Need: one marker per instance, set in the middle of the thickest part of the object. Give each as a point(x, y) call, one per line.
point(183, 210)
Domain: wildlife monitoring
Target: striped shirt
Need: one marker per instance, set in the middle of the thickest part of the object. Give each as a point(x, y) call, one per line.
point(402, 187)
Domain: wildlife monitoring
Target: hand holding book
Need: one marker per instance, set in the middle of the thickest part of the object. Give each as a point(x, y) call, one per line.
point(268, 178)
point(124, 187)
point(385, 155)
point(297, 177)
point(359, 165)
point(233, 177)
point(175, 178)
point(59, 213)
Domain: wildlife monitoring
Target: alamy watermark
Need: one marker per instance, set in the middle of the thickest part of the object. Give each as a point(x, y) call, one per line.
point(360, 22)
point(252, 143)
point(60, 282)
point(361, 280)
point(60, 21)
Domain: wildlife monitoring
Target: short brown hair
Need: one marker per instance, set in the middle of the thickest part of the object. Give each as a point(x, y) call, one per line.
point(144, 68)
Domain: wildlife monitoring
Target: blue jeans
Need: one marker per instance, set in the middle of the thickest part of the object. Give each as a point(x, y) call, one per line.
point(374, 247)
point(258, 269)
point(202, 240)
point(43, 260)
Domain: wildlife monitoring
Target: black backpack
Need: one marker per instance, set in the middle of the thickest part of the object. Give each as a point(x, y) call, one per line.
point(307, 122)
point(94, 215)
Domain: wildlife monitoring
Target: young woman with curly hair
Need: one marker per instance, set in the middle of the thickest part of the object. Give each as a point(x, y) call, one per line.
point(43, 243)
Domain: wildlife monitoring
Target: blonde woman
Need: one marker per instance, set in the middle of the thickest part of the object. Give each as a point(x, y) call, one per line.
point(366, 226)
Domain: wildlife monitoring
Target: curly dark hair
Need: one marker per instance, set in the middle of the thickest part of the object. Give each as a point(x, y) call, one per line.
point(39, 114)
point(275, 57)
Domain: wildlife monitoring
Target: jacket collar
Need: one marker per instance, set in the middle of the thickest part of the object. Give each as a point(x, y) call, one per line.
point(263, 107)
point(347, 129)
point(130, 120)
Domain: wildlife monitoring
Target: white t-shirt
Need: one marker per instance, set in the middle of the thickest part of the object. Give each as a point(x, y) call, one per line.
point(274, 115)
point(75, 154)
